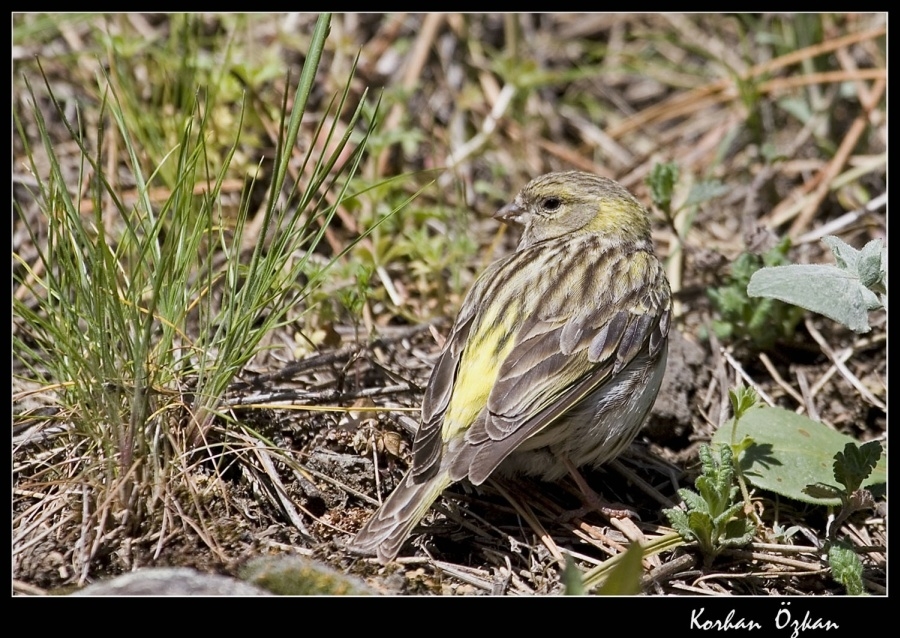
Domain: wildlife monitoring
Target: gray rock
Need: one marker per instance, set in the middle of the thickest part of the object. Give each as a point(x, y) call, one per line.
point(171, 581)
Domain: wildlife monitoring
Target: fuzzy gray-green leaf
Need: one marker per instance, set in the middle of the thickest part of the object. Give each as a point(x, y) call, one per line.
point(870, 267)
point(845, 255)
point(824, 289)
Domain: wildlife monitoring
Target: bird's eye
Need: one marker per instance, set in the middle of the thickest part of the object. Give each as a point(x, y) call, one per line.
point(551, 203)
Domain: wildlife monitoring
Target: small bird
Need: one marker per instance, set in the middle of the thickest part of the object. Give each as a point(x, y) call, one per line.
point(554, 360)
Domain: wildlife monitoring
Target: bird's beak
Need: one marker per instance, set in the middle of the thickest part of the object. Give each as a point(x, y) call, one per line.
point(511, 213)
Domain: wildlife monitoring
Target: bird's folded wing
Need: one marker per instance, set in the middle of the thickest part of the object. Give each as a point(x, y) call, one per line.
point(428, 442)
point(553, 366)
point(554, 363)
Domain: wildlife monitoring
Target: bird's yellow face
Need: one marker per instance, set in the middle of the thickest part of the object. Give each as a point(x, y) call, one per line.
point(563, 204)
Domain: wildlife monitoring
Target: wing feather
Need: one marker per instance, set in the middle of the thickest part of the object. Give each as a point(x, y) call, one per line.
point(428, 443)
point(550, 372)
point(553, 364)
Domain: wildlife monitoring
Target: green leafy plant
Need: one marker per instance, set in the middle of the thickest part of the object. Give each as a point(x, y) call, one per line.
point(741, 318)
point(129, 321)
point(846, 292)
point(846, 568)
point(352, 298)
point(783, 452)
point(573, 583)
point(787, 453)
point(712, 517)
point(852, 466)
point(742, 400)
point(612, 568)
point(662, 182)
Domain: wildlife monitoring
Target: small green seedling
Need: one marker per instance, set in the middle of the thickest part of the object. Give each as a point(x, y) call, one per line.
point(712, 518)
point(740, 318)
point(851, 467)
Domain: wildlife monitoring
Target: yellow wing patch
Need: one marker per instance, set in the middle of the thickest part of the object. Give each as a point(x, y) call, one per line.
point(478, 369)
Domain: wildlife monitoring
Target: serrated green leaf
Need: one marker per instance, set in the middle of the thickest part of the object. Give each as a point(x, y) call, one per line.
point(824, 289)
point(693, 500)
point(855, 463)
point(720, 523)
point(742, 399)
point(730, 300)
point(725, 475)
point(777, 255)
point(707, 463)
point(661, 181)
point(738, 532)
point(846, 568)
point(791, 451)
point(710, 492)
point(701, 524)
point(679, 520)
point(729, 513)
point(745, 265)
point(762, 316)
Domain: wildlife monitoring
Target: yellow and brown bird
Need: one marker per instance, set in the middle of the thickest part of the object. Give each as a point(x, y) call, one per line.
point(555, 358)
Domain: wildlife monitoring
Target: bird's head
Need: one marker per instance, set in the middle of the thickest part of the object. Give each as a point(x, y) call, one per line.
point(573, 202)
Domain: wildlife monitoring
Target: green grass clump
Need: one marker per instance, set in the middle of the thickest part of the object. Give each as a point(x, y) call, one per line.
point(130, 320)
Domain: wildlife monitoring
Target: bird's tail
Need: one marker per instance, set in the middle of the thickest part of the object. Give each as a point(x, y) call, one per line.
point(385, 532)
